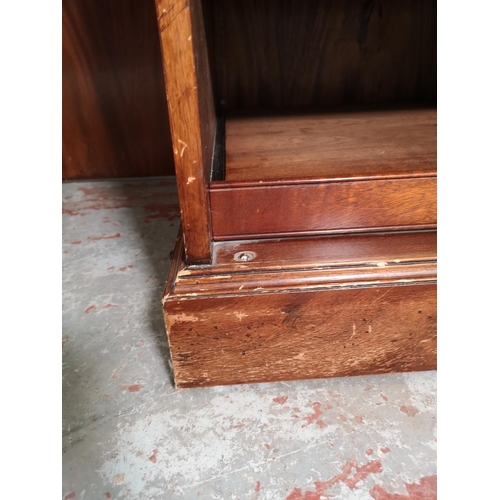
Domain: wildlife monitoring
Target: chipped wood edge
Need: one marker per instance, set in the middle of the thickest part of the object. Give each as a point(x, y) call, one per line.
point(192, 118)
point(199, 284)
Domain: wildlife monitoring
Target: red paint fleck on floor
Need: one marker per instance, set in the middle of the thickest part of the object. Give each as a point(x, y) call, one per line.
point(96, 308)
point(65, 338)
point(69, 495)
point(384, 397)
point(109, 237)
point(69, 211)
point(297, 494)
point(257, 486)
point(411, 411)
point(360, 473)
point(358, 419)
point(317, 412)
point(368, 387)
point(372, 467)
point(369, 451)
point(425, 489)
point(321, 424)
point(385, 450)
point(343, 418)
point(124, 268)
point(107, 494)
point(161, 211)
point(152, 458)
point(77, 242)
point(111, 268)
point(132, 387)
point(238, 426)
point(267, 446)
point(148, 196)
point(281, 400)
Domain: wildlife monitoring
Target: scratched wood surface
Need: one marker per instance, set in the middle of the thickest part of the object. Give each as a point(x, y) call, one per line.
point(339, 250)
point(192, 117)
point(331, 145)
point(114, 111)
point(254, 325)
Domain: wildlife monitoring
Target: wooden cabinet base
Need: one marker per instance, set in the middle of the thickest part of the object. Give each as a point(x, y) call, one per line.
point(337, 306)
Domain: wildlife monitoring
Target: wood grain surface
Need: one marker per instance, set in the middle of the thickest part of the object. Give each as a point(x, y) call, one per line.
point(326, 173)
point(291, 54)
point(284, 209)
point(228, 326)
point(115, 120)
point(303, 335)
point(339, 250)
point(334, 145)
point(192, 118)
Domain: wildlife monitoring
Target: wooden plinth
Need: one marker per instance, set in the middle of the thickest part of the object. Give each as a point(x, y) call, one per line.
point(304, 308)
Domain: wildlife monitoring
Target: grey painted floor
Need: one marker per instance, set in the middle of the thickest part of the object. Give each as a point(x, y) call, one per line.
point(128, 434)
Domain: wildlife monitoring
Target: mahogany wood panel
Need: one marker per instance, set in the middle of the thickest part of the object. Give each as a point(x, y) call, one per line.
point(303, 335)
point(115, 120)
point(340, 250)
point(283, 209)
point(243, 325)
point(291, 263)
point(335, 145)
point(296, 53)
point(192, 117)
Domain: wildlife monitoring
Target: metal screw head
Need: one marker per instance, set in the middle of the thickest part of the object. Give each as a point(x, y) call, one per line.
point(244, 256)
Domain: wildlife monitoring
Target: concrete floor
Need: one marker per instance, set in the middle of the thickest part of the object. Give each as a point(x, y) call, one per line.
point(128, 434)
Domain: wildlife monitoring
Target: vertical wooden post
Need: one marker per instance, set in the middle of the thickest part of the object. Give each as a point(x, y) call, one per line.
point(192, 118)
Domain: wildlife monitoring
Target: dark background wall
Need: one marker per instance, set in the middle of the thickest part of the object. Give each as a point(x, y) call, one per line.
point(115, 119)
point(272, 54)
point(264, 54)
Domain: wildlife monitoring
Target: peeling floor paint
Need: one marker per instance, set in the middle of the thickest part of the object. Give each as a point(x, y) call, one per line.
point(127, 433)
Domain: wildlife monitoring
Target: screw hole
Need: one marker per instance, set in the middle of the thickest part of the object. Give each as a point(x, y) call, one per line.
point(244, 256)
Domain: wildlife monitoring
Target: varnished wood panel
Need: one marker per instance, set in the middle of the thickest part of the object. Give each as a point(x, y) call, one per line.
point(115, 120)
point(296, 53)
point(303, 335)
point(244, 325)
point(192, 117)
point(283, 209)
point(294, 263)
point(327, 146)
point(384, 249)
